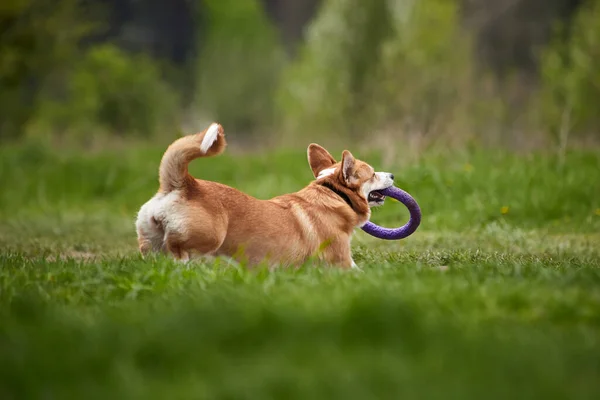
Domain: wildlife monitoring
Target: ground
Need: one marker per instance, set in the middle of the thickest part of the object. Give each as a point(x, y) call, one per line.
point(497, 294)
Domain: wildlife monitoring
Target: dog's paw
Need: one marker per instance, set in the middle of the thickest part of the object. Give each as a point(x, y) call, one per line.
point(355, 267)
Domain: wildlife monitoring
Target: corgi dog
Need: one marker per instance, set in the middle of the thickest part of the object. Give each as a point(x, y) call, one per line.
point(190, 216)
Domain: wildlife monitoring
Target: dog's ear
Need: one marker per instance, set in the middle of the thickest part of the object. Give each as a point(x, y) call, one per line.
point(319, 159)
point(348, 166)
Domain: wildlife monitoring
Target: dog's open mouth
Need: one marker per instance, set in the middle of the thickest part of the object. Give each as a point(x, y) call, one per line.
point(376, 197)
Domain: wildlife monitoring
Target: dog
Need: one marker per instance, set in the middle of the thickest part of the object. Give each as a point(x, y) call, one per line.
point(191, 216)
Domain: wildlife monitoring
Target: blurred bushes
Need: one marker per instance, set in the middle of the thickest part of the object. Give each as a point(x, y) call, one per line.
point(51, 84)
point(39, 41)
point(424, 79)
point(366, 66)
point(330, 81)
point(406, 67)
point(239, 64)
point(109, 91)
point(570, 77)
point(403, 67)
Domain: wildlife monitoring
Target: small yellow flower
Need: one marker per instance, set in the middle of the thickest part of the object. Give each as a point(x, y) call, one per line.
point(597, 212)
point(468, 167)
point(504, 210)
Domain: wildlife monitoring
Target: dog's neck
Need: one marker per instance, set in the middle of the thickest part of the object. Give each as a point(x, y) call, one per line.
point(341, 194)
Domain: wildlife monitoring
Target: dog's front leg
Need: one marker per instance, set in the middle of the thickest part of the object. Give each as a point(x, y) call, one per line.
point(339, 254)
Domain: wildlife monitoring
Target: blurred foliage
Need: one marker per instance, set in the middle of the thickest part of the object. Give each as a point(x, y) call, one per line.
point(51, 86)
point(371, 65)
point(110, 91)
point(426, 67)
point(402, 67)
point(39, 41)
point(239, 63)
point(331, 76)
point(408, 66)
point(570, 77)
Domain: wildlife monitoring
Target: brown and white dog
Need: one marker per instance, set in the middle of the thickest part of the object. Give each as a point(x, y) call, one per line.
point(192, 216)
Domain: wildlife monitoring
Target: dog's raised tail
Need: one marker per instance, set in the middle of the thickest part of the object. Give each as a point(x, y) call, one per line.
point(173, 172)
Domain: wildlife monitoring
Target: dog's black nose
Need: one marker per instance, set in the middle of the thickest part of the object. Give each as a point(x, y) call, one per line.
point(392, 176)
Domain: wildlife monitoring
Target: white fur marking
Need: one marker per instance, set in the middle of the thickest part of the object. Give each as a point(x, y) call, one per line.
point(326, 172)
point(164, 208)
point(307, 225)
point(209, 137)
point(353, 265)
point(382, 180)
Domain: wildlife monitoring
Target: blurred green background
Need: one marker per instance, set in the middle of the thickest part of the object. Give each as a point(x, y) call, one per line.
point(520, 73)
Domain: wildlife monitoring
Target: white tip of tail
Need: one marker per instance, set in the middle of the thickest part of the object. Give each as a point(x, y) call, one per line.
point(209, 137)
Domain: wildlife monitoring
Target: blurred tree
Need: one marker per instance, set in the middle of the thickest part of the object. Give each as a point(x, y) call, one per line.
point(39, 40)
point(164, 29)
point(327, 85)
point(510, 34)
point(570, 77)
point(291, 17)
point(238, 65)
point(424, 76)
point(380, 60)
point(109, 91)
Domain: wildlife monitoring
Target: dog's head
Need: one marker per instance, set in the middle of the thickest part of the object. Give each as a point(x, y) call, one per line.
point(353, 176)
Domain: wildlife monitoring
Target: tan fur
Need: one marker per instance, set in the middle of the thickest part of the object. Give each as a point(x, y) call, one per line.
point(191, 215)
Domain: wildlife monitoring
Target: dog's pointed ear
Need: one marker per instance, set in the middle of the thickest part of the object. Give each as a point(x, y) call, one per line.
point(348, 164)
point(319, 159)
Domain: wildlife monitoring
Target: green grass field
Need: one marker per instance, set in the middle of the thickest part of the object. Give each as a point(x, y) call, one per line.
point(496, 296)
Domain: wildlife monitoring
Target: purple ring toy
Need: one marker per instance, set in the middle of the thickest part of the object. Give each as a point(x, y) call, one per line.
point(403, 231)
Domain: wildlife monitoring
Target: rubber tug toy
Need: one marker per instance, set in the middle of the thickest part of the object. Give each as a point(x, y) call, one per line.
point(403, 231)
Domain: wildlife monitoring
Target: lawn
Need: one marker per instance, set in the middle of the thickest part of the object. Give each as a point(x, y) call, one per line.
point(496, 296)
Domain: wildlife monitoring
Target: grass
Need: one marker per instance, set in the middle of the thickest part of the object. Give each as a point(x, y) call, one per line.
point(497, 295)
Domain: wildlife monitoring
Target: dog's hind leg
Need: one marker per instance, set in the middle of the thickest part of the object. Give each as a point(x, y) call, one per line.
point(144, 245)
point(204, 238)
point(149, 234)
